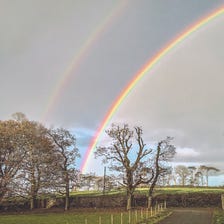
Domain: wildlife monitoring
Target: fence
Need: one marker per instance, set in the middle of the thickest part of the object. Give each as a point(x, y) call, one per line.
point(130, 217)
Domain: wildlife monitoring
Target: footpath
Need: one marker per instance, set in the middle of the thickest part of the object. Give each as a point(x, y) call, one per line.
point(189, 216)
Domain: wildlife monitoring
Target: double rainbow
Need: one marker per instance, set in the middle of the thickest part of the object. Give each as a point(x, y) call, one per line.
point(145, 69)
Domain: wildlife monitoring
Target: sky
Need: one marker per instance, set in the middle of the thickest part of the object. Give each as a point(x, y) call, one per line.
point(64, 63)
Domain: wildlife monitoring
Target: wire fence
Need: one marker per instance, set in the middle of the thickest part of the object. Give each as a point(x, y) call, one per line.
point(135, 216)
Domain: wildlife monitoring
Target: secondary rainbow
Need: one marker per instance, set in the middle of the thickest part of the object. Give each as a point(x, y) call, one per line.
point(79, 57)
point(145, 69)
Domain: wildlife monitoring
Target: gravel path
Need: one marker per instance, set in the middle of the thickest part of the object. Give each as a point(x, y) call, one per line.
point(189, 216)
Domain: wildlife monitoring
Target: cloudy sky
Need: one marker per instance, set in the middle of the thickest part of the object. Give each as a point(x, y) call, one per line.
point(65, 62)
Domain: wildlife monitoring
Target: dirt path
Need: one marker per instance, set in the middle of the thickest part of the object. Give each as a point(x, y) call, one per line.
point(189, 216)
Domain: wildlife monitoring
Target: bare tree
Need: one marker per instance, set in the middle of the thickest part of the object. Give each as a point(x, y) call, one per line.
point(163, 154)
point(198, 178)
point(88, 180)
point(127, 155)
point(183, 173)
point(67, 153)
point(192, 170)
point(206, 170)
point(19, 116)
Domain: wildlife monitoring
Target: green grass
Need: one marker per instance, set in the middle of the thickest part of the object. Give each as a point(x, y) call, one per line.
point(96, 193)
point(52, 218)
point(80, 218)
point(43, 219)
point(181, 190)
point(218, 217)
point(158, 190)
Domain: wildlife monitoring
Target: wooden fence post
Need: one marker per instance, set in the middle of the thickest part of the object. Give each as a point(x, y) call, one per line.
point(222, 199)
point(136, 216)
point(121, 218)
point(112, 219)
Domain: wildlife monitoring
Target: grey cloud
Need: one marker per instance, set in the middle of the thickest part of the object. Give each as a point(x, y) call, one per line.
point(40, 39)
point(182, 97)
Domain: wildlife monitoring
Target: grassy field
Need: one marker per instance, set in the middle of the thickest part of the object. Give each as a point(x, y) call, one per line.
point(105, 217)
point(158, 190)
point(181, 190)
point(94, 216)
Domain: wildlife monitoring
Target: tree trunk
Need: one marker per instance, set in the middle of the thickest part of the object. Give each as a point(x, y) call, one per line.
point(3, 191)
point(207, 179)
point(32, 203)
point(202, 181)
point(67, 204)
point(149, 201)
point(129, 201)
point(183, 181)
point(33, 200)
point(33, 196)
point(1, 197)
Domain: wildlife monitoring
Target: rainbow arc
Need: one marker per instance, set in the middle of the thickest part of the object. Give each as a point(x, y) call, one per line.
point(142, 72)
point(79, 57)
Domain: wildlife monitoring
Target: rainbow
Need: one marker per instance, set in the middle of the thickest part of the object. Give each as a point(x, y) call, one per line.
point(79, 57)
point(145, 69)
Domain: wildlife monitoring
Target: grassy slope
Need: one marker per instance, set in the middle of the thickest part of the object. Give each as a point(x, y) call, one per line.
point(181, 190)
point(161, 190)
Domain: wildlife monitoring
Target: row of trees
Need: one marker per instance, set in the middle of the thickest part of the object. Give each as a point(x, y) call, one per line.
point(179, 175)
point(35, 160)
point(193, 175)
